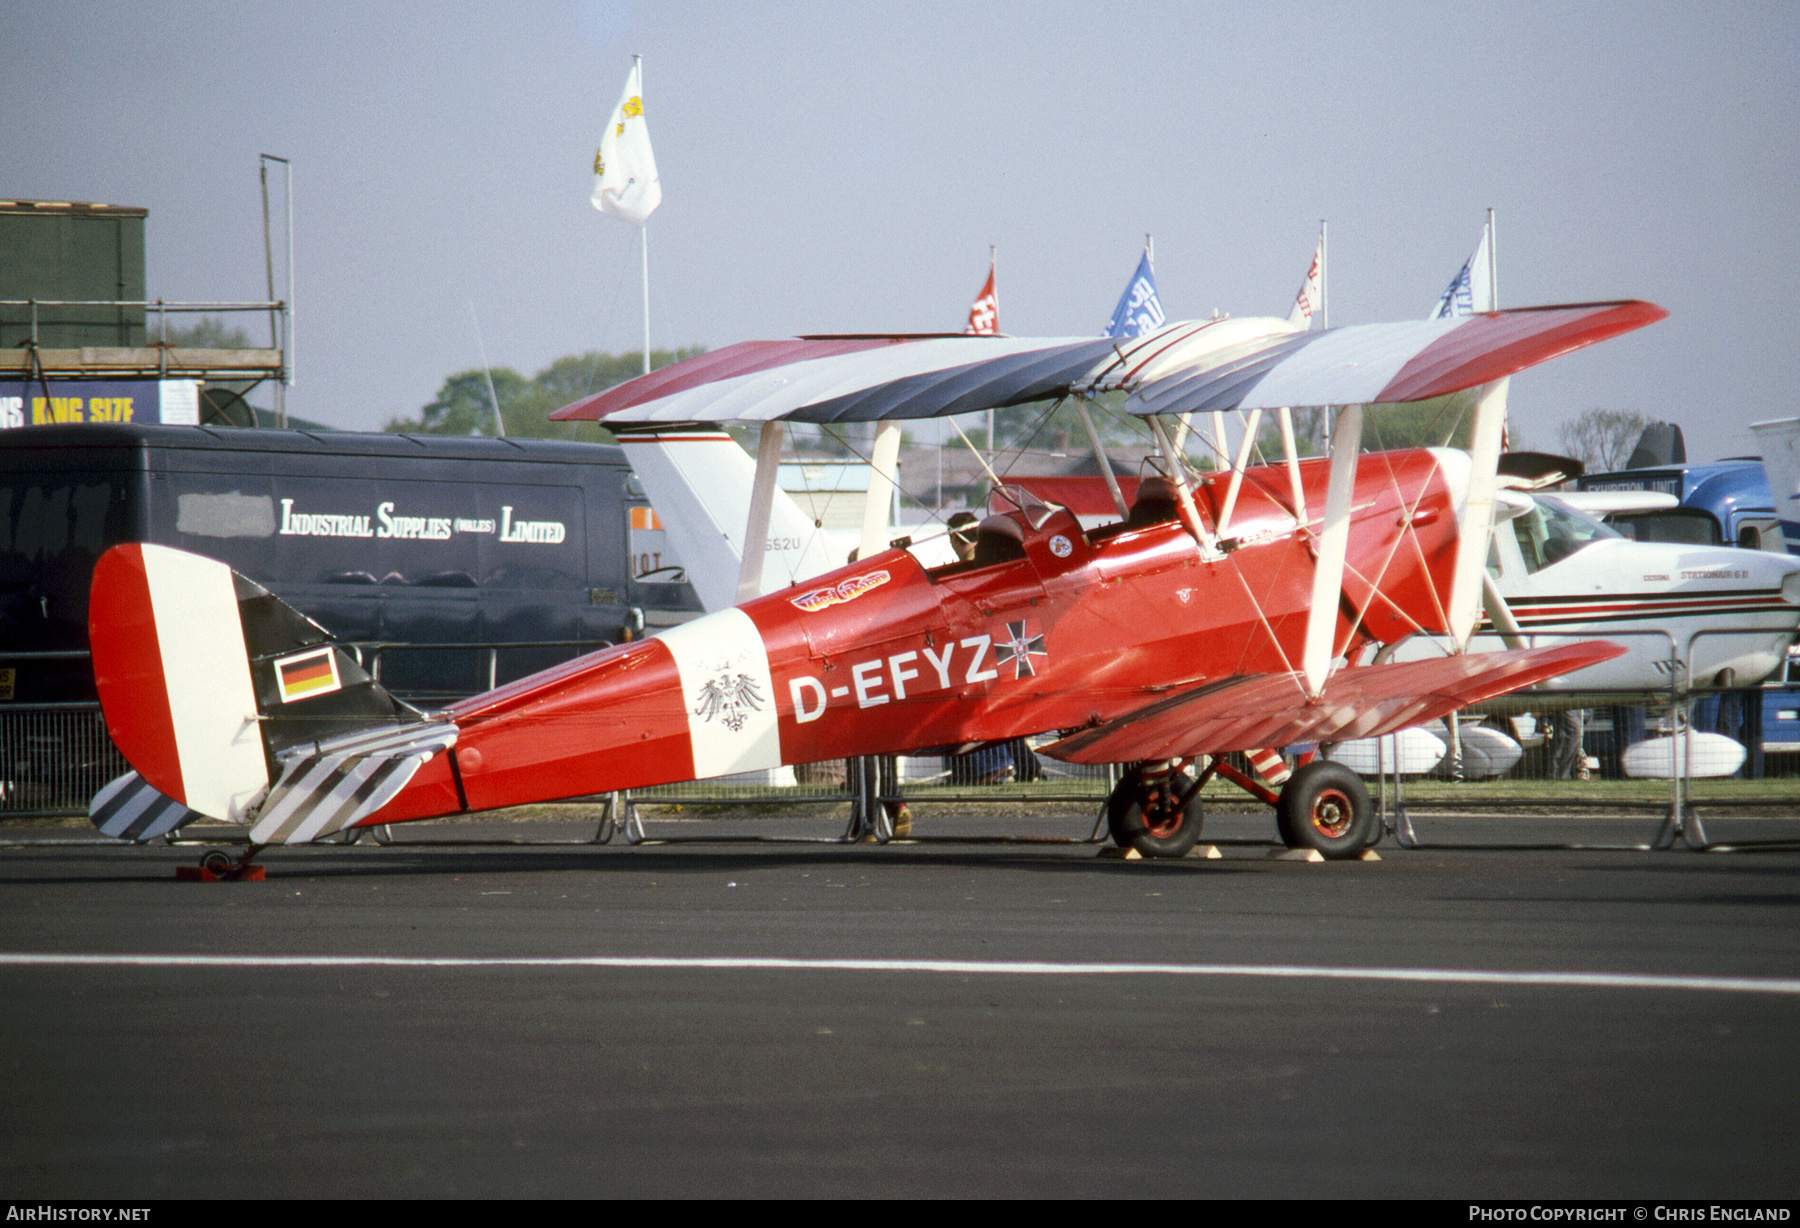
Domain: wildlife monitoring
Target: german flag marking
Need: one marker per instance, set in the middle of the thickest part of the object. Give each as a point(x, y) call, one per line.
point(308, 674)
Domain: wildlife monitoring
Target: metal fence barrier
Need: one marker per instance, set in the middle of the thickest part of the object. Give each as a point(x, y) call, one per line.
point(1701, 737)
point(53, 758)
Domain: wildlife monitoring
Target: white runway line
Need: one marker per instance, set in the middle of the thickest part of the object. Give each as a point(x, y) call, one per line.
point(1434, 976)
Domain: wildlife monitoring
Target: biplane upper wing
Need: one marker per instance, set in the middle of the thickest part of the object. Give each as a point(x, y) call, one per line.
point(1222, 364)
point(1249, 712)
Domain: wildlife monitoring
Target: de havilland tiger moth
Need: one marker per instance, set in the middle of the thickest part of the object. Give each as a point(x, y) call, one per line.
point(1231, 612)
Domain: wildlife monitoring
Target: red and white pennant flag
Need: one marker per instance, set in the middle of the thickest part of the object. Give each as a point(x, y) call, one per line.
point(984, 316)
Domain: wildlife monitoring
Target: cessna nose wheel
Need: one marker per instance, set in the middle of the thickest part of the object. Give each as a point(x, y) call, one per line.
point(1325, 806)
point(1156, 810)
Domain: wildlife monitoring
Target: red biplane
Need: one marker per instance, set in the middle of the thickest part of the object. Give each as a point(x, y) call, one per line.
point(1230, 611)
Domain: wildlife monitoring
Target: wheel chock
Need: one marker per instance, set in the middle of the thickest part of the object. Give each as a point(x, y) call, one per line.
point(1296, 855)
point(1368, 855)
point(1112, 852)
point(200, 874)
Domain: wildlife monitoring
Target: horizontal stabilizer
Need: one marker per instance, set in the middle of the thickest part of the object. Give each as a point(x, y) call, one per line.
point(129, 809)
point(332, 785)
point(1251, 711)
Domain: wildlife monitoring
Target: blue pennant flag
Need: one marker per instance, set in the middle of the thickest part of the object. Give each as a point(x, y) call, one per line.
point(1139, 310)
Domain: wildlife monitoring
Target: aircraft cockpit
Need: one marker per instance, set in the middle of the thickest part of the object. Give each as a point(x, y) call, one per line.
point(1026, 527)
point(1552, 530)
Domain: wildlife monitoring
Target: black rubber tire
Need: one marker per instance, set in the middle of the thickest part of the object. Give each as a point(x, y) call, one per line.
point(1325, 806)
point(1161, 833)
point(217, 864)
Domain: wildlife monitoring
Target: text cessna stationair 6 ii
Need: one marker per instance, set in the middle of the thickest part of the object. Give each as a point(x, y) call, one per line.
point(1225, 612)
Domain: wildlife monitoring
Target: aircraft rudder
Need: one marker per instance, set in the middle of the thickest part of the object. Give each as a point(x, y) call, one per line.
point(173, 676)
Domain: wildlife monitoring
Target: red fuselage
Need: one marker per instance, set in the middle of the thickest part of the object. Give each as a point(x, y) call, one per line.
point(884, 656)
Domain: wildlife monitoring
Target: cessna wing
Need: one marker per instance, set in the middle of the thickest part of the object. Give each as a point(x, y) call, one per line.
point(1225, 364)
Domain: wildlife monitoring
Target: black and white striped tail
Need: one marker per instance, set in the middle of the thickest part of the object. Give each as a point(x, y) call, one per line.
point(326, 786)
point(129, 809)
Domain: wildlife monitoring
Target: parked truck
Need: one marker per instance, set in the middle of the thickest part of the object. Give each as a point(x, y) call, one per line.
point(454, 564)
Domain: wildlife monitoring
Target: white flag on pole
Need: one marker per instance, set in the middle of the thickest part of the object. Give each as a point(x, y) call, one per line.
point(625, 183)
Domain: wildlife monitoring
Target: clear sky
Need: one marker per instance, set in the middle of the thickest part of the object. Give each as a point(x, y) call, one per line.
point(844, 167)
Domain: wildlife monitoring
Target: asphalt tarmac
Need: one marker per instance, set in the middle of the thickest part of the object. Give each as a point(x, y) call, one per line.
point(949, 1017)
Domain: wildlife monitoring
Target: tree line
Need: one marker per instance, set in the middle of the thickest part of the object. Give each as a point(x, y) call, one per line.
point(463, 407)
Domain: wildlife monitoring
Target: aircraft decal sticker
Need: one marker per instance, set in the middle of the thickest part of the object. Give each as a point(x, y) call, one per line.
point(726, 685)
point(849, 590)
point(1019, 646)
point(731, 697)
point(307, 675)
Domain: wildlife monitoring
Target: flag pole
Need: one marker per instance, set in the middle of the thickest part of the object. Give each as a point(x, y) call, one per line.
point(1324, 282)
point(1325, 414)
point(637, 65)
point(993, 280)
point(1493, 264)
point(994, 272)
point(625, 182)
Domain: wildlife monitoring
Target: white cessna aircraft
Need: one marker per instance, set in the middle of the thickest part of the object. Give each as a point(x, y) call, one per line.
point(1690, 616)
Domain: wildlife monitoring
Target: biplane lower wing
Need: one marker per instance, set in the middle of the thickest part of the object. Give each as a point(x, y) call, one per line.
point(1249, 712)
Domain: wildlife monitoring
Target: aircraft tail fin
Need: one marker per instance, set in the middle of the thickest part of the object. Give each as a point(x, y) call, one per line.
point(700, 482)
point(230, 703)
point(1659, 444)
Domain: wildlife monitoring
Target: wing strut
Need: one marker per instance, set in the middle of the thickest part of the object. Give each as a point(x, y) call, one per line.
point(1477, 524)
point(1285, 416)
point(1237, 469)
point(1190, 515)
point(1334, 545)
point(762, 500)
point(1101, 458)
point(1500, 613)
point(883, 461)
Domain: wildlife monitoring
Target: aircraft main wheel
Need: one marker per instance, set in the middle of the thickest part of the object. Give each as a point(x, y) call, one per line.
point(216, 863)
point(1146, 815)
point(1326, 806)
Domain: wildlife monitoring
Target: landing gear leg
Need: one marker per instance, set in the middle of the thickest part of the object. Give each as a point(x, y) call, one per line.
point(1155, 809)
point(1325, 806)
